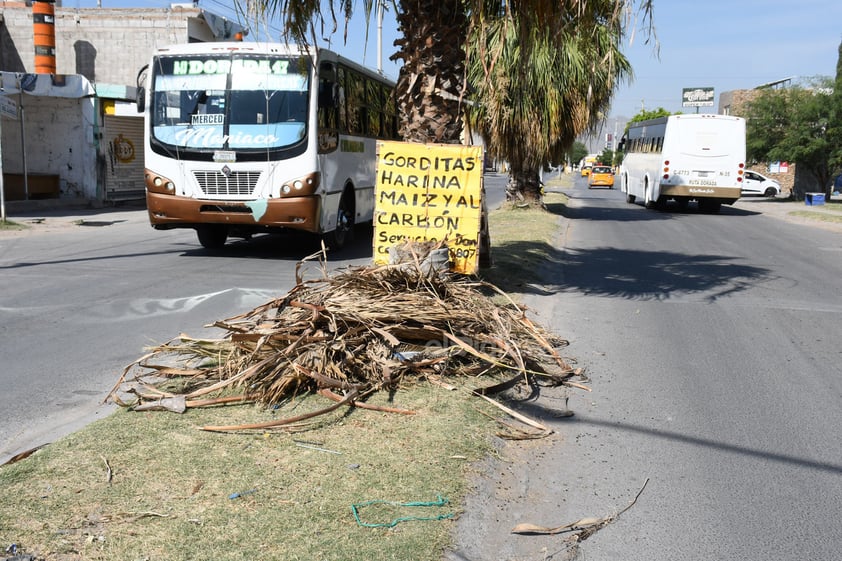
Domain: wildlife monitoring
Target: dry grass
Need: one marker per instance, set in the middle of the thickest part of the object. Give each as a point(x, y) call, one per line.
point(524, 240)
point(829, 212)
point(151, 485)
point(10, 225)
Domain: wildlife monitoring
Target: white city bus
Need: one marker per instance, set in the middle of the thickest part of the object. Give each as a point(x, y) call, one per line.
point(243, 138)
point(684, 158)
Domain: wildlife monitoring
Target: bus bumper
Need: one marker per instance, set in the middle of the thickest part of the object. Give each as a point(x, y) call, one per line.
point(299, 213)
point(727, 195)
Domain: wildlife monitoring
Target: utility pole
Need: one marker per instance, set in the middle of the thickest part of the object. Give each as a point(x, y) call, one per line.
point(2, 187)
point(380, 10)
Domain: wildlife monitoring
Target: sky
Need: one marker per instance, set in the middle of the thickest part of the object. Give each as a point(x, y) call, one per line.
point(723, 44)
point(729, 45)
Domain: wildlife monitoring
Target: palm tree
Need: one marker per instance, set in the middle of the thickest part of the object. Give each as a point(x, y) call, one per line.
point(432, 83)
point(537, 88)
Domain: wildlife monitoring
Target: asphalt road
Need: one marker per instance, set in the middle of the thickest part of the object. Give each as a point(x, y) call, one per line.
point(79, 303)
point(84, 292)
point(712, 344)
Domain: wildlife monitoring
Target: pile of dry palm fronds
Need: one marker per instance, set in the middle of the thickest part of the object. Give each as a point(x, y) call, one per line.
point(346, 335)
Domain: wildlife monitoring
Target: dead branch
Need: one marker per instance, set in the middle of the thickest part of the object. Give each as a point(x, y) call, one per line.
point(357, 330)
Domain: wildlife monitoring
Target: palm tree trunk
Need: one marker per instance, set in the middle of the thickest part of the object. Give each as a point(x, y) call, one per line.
point(524, 187)
point(430, 83)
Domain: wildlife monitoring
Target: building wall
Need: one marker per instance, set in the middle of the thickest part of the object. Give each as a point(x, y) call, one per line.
point(64, 137)
point(58, 139)
point(104, 45)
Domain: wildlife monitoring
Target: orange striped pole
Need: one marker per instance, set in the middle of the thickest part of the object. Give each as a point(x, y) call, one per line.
point(44, 28)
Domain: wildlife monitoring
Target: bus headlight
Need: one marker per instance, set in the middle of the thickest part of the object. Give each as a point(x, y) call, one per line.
point(158, 184)
point(301, 186)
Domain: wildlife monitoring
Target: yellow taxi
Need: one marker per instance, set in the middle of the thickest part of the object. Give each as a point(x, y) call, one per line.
point(586, 171)
point(601, 176)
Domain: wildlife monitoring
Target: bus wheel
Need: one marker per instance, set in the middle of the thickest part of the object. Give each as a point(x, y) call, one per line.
point(213, 236)
point(647, 202)
point(344, 232)
point(661, 203)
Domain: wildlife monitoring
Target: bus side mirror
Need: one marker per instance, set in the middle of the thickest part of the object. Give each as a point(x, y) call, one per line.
point(140, 82)
point(141, 99)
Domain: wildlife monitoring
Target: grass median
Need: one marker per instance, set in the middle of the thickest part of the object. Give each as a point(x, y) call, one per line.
point(355, 484)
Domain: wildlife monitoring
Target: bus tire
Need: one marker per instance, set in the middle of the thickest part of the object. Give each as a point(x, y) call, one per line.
point(661, 203)
point(343, 234)
point(625, 188)
point(647, 201)
point(212, 236)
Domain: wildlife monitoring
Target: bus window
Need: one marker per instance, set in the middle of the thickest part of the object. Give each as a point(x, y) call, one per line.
point(355, 100)
point(390, 118)
point(342, 102)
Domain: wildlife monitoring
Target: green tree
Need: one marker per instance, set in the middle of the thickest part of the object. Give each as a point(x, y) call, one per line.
point(834, 129)
point(794, 124)
point(644, 115)
point(606, 157)
point(536, 87)
point(576, 152)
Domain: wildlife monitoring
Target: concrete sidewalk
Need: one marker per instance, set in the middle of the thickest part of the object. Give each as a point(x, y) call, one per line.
point(41, 217)
point(827, 216)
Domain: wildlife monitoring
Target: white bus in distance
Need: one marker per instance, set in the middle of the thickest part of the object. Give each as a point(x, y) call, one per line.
point(684, 158)
point(243, 138)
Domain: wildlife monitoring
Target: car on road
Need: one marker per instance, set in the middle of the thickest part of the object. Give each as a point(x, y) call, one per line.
point(601, 176)
point(586, 171)
point(755, 183)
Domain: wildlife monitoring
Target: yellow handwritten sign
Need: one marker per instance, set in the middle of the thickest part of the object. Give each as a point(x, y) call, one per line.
point(429, 192)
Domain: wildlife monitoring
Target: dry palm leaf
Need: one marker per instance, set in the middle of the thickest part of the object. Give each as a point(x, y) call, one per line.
point(358, 330)
point(581, 529)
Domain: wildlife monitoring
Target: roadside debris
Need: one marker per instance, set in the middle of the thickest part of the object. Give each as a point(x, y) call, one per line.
point(437, 504)
point(581, 529)
point(239, 494)
point(346, 335)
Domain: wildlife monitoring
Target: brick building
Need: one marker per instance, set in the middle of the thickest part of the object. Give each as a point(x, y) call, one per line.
point(75, 134)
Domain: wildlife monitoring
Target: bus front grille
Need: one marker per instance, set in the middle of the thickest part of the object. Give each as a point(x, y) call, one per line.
point(237, 183)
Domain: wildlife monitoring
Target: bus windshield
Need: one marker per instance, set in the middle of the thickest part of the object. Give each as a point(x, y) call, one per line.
point(239, 102)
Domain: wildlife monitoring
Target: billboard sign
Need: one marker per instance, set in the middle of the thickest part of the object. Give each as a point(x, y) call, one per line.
point(697, 97)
